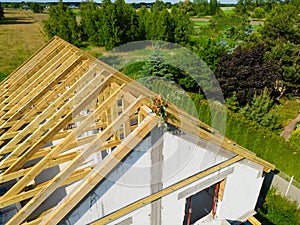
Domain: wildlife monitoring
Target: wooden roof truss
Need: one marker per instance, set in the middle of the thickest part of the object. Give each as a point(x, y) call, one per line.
point(60, 107)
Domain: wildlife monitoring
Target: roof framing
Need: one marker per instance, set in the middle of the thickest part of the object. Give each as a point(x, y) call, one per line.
point(60, 107)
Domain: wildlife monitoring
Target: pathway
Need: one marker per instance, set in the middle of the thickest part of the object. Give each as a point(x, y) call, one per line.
point(286, 133)
point(281, 186)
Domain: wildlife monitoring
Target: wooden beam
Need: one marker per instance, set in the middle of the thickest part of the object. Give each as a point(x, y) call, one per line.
point(68, 169)
point(35, 170)
point(76, 176)
point(33, 83)
point(100, 172)
point(34, 61)
point(36, 146)
point(254, 221)
point(43, 97)
point(56, 161)
point(52, 124)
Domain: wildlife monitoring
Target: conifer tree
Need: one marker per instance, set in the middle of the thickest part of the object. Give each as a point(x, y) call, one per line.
point(259, 111)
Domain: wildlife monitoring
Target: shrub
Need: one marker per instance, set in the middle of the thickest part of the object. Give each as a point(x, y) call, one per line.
point(259, 13)
point(278, 210)
point(295, 138)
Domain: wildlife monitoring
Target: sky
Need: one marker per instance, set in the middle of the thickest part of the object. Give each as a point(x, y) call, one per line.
point(129, 1)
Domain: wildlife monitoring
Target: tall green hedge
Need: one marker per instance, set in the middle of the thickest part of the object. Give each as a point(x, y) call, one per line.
point(264, 143)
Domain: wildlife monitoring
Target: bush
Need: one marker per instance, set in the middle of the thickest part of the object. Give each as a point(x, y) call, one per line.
point(258, 13)
point(295, 138)
point(278, 210)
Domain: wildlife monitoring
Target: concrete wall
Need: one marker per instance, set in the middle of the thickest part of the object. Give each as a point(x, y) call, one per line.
point(159, 161)
point(241, 191)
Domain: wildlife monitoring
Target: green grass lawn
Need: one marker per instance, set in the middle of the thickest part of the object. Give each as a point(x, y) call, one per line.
point(288, 110)
point(228, 10)
point(76, 12)
point(200, 23)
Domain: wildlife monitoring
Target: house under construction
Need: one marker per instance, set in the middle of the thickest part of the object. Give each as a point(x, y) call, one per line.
point(79, 144)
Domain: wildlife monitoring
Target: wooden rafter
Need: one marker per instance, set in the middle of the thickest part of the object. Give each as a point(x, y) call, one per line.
point(60, 107)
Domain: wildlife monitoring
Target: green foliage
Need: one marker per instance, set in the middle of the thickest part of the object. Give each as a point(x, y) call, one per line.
point(243, 6)
point(232, 103)
point(259, 111)
point(186, 7)
point(133, 70)
point(174, 26)
point(118, 23)
point(157, 66)
point(278, 210)
point(205, 8)
point(62, 22)
point(246, 72)
point(201, 8)
point(259, 13)
point(154, 67)
point(295, 137)
point(90, 17)
point(287, 56)
point(1, 11)
point(3, 76)
point(36, 7)
point(211, 52)
point(282, 24)
point(280, 35)
point(182, 26)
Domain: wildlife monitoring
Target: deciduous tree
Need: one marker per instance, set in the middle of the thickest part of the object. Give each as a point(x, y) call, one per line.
point(246, 72)
point(1, 11)
point(36, 7)
point(62, 22)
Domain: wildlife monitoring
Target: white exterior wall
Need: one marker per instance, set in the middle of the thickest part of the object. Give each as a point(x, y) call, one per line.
point(241, 191)
point(183, 157)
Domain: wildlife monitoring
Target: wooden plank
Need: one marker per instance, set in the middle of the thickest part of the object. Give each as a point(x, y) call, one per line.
point(43, 102)
point(53, 124)
point(43, 97)
point(76, 176)
point(37, 220)
point(254, 221)
point(68, 169)
point(144, 201)
point(44, 81)
point(38, 129)
point(221, 189)
point(56, 161)
point(100, 172)
point(31, 84)
point(59, 148)
point(29, 64)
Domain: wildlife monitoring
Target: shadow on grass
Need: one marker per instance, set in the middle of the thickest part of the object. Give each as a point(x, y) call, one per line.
point(15, 20)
